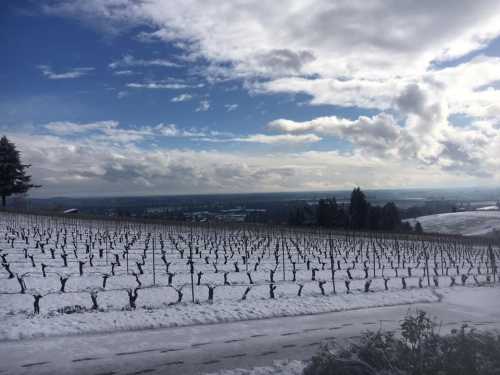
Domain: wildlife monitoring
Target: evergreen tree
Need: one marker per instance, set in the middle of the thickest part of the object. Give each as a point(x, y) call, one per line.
point(13, 178)
point(390, 217)
point(326, 213)
point(358, 209)
point(341, 219)
point(296, 216)
point(418, 228)
point(321, 212)
point(406, 227)
point(374, 217)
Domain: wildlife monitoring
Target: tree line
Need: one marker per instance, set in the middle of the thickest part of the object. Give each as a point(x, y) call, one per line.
point(358, 215)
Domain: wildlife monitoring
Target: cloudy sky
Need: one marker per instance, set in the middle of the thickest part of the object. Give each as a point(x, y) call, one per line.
point(125, 97)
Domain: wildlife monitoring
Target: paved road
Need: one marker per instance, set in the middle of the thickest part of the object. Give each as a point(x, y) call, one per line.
point(198, 349)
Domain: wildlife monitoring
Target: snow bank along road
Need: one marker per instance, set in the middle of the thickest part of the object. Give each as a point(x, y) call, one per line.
point(207, 348)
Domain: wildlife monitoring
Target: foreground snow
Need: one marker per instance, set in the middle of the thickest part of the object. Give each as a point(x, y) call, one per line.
point(278, 367)
point(20, 326)
point(191, 350)
point(469, 223)
point(480, 303)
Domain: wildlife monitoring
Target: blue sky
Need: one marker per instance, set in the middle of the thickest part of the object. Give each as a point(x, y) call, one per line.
point(124, 97)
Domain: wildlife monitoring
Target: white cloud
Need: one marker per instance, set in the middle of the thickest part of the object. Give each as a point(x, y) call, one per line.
point(158, 86)
point(425, 137)
point(341, 37)
point(471, 88)
point(409, 62)
point(278, 138)
point(70, 74)
point(163, 85)
point(111, 131)
point(99, 166)
point(345, 92)
point(71, 128)
point(123, 73)
point(131, 61)
point(169, 130)
point(122, 94)
point(203, 106)
point(346, 53)
point(231, 107)
point(379, 133)
point(182, 98)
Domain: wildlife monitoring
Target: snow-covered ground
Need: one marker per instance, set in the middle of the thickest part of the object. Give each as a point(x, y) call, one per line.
point(239, 273)
point(468, 223)
point(488, 208)
point(253, 345)
point(283, 367)
point(477, 307)
point(20, 326)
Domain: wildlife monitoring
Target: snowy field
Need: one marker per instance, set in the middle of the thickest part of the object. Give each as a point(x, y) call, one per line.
point(67, 276)
point(469, 223)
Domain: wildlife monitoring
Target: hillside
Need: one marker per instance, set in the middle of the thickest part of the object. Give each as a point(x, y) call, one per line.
point(469, 223)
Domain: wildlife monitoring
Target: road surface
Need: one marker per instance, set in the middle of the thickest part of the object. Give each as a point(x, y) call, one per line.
point(208, 348)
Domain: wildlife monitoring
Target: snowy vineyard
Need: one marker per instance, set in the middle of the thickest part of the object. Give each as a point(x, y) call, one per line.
point(64, 265)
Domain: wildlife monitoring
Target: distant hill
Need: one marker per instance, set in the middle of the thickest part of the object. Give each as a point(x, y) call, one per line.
point(468, 223)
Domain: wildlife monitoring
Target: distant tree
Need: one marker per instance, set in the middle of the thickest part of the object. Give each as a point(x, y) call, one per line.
point(390, 217)
point(123, 212)
point(358, 209)
point(321, 212)
point(418, 228)
point(326, 213)
point(296, 216)
point(308, 212)
point(374, 217)
point(13, 177)
point(406, 227)
point(342, 218)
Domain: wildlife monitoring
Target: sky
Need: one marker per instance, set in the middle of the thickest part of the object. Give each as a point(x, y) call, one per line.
point(151, 97)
